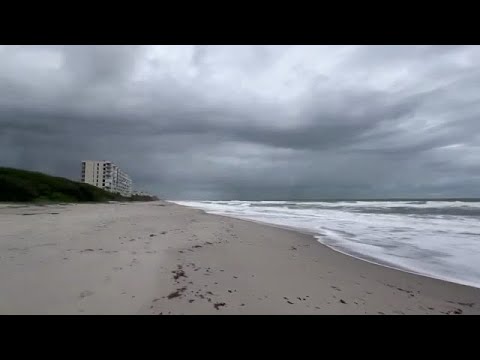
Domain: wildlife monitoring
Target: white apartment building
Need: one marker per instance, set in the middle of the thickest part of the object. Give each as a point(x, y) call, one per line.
point(106, 175)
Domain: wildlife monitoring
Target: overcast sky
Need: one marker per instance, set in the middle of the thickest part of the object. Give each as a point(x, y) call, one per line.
point(249, 122)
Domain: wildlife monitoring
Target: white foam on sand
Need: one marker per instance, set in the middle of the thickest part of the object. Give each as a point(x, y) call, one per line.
point(425, 237)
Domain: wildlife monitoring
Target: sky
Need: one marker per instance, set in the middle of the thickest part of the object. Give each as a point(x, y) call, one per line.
point(249, 122)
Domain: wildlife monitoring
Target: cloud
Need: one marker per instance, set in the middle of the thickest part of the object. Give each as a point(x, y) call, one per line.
point(249, 121)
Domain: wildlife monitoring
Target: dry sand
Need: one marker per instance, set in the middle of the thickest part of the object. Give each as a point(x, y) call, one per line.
point(161, 258)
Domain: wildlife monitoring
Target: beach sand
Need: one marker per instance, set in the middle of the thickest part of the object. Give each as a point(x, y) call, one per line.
point(161, 258)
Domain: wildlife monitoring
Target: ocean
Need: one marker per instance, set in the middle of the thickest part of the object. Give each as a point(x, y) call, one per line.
point(435, 238)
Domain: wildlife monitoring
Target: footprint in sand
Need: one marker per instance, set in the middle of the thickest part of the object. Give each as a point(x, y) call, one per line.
point(85, 293)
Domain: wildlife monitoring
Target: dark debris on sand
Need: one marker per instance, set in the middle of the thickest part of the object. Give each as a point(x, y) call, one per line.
point(177, 293)
point(218, 305)
point(179, 273)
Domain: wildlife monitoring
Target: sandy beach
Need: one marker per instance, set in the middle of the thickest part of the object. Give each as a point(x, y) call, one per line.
point(160, 258)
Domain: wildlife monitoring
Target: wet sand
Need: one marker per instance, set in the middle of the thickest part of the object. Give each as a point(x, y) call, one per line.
point(161, 258)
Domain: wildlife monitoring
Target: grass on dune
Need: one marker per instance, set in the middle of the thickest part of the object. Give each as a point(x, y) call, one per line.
point(28, 186)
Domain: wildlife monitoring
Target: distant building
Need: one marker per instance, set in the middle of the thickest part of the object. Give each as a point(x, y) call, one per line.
point(106, 175)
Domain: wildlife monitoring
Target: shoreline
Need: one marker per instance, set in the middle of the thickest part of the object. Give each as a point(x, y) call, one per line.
point(316, 241)
point(313, 235)
point(367, 259)
point(361, 257)
point(164, 258)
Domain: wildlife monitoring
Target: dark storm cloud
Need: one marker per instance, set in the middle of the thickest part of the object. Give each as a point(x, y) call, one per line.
point(249, 122)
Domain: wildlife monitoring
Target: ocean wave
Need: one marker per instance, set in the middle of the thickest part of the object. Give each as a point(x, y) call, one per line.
point(435, 238)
